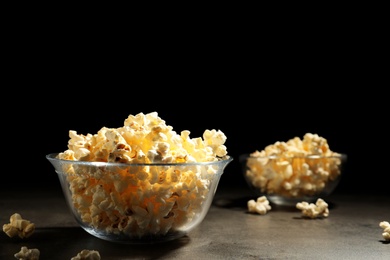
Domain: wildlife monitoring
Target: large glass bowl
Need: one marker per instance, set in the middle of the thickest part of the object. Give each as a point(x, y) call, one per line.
point(138, 203)
point(289, 180)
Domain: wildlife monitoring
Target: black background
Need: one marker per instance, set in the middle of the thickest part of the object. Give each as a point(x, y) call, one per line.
point(251, 118)
point(256, 88)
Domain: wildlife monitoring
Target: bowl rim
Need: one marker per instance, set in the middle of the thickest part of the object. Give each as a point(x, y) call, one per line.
point(342, 156)
point(221, 160)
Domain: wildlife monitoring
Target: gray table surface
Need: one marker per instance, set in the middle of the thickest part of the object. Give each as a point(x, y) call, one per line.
point(228, 231)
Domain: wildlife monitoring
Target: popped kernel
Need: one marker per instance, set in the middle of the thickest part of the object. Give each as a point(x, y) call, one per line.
point(386, 230)
point(260, 206)
point(311, 210)
point(19, 227)
point(27, 254)
point(87, 255)
point(290, 172)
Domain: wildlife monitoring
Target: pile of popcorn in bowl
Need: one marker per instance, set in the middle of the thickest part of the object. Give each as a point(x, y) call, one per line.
point(143, 182)
point(297, 170)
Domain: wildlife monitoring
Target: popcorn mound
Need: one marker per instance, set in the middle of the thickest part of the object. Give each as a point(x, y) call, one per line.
point(128, 198)
point(295, 168)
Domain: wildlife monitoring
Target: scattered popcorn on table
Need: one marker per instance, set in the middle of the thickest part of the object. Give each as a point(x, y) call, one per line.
point(87, 255)
point(386, 230)
point(260, 206)
point(311, 210)
point(27, 254)
point(143, 200)
point(294, 177)
point(19, 227)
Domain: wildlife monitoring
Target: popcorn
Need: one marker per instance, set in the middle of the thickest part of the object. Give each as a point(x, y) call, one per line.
point(311, 210)
point(260, 206)
point(290, 173)
point(19, 227)
point(87, 255)
point(141, 200)
point(145, 138)
point(27, 254)
point(386, 230)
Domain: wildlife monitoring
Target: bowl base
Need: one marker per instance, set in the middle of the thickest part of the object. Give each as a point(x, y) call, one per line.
point(126, 239)
point(291, 202)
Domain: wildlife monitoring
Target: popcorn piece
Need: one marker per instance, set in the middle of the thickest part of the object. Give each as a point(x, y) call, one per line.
point(141, 201)
point(311, 210)
point(87, 255)
point(19, 227)
point(260, 206)
point(27, 254)
point(386, 230)
point(298, 176)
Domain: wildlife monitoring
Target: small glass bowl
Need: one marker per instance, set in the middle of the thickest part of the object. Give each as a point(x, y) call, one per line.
point(138, 203)
point(288, 180)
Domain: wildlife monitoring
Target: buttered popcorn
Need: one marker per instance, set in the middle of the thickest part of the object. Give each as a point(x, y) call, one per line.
point(141, 200)
point(298, 167)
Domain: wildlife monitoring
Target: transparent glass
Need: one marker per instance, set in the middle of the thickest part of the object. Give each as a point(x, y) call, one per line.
point(138, 203)
point(289, 180)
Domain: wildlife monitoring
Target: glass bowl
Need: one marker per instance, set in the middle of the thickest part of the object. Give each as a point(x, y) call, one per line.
point(289, 180)
point(138, 203)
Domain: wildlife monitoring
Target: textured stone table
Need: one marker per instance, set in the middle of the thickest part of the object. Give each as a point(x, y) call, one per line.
point(228, 232)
